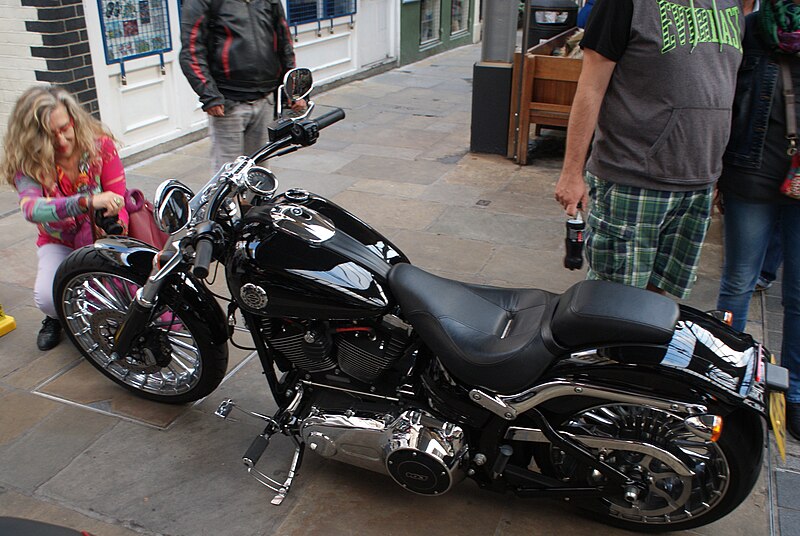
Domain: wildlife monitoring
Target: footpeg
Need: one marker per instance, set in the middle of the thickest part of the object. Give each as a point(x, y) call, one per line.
point(257, 448)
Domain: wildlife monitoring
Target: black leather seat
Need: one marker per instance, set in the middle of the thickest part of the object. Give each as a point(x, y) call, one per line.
point(598, 313)
point(485, 336)
point(503, 339)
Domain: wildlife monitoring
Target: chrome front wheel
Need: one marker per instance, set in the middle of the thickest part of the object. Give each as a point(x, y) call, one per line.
point(173, 360)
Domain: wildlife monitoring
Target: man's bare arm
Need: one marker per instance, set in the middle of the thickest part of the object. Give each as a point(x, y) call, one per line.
point(592, 84)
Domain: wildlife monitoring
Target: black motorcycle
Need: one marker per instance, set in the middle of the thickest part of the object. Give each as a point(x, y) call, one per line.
point(651, 413)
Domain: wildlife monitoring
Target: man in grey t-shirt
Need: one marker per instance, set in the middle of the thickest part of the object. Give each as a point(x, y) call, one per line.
point(656, 90)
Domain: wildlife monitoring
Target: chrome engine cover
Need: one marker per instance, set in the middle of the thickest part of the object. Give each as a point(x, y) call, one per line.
point(421, 453)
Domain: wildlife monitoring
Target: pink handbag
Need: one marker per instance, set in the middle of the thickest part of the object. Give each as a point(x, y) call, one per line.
point(141, 222)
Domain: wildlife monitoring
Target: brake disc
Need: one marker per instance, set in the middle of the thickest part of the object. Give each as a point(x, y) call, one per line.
point(150, 353)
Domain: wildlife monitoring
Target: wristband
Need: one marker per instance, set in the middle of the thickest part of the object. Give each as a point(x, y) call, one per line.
point(85, 203)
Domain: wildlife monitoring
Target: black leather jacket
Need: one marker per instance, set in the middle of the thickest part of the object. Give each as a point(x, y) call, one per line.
point(234, 49)
point(755, 161)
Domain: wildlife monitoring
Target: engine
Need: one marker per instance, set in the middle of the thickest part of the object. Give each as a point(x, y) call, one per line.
point(363, 352)
point(421, 453)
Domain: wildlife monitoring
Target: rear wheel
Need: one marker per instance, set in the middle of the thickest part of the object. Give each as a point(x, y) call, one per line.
point(173, 361)
point(663, 497)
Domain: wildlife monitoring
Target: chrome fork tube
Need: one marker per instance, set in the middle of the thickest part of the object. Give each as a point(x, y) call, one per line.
point(138, 314)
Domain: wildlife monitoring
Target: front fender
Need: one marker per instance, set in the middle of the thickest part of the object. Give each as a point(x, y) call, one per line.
point(128, 252)
point(186, 293)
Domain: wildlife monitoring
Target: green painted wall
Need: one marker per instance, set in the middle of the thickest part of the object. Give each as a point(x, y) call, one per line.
point(410, 49)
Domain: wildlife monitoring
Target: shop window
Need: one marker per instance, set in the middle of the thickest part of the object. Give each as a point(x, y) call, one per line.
point(303, 11)
point(459, 16)
point(430, 14)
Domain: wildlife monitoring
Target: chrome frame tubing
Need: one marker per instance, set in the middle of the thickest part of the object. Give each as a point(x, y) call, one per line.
point(510, 406)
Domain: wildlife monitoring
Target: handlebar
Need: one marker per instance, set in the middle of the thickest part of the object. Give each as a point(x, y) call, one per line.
point(329, 118)
point(204, 249)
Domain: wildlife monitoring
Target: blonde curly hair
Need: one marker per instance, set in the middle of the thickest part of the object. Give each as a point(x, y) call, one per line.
point(28, 144)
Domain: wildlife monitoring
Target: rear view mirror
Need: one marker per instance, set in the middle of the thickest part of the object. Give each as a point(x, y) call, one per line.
point(172, 211)
point(297, 84)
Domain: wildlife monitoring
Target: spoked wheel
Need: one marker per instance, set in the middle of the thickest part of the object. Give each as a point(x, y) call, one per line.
point(172, 361)
point(664, 496)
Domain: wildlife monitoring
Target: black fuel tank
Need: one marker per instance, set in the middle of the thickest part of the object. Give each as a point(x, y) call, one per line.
point(302, 256)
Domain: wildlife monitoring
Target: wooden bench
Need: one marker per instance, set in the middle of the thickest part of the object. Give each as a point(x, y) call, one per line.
point(548, 87)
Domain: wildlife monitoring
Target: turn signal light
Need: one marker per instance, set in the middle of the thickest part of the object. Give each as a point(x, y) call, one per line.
point(708, 427)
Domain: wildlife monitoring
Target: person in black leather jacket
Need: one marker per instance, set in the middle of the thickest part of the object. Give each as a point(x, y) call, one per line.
point(234, 54)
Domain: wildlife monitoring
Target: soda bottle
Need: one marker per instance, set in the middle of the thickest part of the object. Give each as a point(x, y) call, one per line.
point(573, 259)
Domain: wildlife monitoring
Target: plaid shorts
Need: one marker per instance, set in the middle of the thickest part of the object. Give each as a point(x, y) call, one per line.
point(638, 236)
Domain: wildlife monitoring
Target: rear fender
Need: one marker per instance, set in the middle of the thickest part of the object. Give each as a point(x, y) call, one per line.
point(705, 358)
point(184, 292)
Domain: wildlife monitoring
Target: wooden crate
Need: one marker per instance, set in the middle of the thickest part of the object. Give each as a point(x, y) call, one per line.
point(545, 95)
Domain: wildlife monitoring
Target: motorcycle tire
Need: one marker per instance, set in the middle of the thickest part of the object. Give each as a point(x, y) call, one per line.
point(174, 361)
point(725, 471)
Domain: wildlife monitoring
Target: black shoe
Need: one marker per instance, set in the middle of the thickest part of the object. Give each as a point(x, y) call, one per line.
point(793, 419)
point(49, 335)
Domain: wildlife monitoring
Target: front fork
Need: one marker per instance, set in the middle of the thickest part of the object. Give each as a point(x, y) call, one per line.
point(141, 308)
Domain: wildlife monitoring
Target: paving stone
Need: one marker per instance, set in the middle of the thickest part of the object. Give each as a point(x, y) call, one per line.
point(194, 482)
point(13, 504)
point(382, 151)
point(21, 411)
point(86, 386)
point(319, 183)
point(16, 296)
point(439, 252)
point(316, 160)
point(9, 200)
point(382, 211)
point(200, 148)
point(503, 229)
point(16, 233)
point(399, 189)
point(52, 445)
point(452, 194)
point(788, 489)
point(532, 268)
point(19, 261)
point(394, 170)
point(336, 499)
point(166, 165)
point(789, 522)
point(19, 346)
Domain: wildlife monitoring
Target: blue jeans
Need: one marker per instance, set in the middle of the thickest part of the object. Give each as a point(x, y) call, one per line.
point(748, 229)
point(774, 256)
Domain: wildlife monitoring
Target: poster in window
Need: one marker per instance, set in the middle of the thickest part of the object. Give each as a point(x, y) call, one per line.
point(130, 28)
point(133, 28)
point(144, 11)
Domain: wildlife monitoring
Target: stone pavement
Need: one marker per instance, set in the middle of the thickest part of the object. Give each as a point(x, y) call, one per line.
point(77, 450)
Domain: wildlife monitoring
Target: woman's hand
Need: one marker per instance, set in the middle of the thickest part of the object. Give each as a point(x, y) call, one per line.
point(110, 202)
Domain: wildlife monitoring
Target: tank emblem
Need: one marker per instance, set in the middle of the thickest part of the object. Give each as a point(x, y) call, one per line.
point(253, 296)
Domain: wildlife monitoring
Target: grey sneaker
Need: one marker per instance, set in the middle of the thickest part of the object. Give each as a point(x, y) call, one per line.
point(762, 284)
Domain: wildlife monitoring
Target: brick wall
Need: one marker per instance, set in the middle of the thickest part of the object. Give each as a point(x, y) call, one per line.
point(44, 41)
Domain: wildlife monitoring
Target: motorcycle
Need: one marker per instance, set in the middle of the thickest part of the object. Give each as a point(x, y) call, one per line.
point(652, 414)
